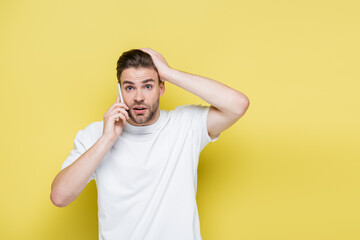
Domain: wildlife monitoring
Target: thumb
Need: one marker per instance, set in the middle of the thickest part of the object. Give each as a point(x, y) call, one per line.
point(118, 98)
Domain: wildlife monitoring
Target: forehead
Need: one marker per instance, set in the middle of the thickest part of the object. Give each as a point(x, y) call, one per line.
point(137, 75)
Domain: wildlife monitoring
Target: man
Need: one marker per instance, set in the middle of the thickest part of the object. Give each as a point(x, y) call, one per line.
point(145, 164)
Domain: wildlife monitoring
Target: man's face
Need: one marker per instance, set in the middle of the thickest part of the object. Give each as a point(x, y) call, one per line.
point(141, 91)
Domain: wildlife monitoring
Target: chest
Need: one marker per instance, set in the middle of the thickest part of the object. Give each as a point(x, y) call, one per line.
point(133, 165)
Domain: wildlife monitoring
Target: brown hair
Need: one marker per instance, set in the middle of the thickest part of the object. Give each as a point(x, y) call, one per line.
point(134, 58)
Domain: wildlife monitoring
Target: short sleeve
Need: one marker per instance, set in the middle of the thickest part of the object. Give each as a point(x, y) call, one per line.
point(196, 116)
point(202, 113)
point(80, 147)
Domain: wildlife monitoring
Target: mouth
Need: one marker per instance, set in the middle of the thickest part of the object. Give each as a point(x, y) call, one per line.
point(139, 110)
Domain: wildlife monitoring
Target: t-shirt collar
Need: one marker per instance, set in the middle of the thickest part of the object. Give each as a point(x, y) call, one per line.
point(146, 129)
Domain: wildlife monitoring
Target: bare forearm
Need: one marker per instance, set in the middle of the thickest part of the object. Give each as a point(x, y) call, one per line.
point(215, 93)
point(70, 182)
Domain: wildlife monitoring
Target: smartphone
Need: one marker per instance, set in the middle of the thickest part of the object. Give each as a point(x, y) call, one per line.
point(119, 93)
point(121, 97)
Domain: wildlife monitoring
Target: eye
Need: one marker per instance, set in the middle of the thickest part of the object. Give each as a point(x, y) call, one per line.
point(128, 88)
point(148, 87)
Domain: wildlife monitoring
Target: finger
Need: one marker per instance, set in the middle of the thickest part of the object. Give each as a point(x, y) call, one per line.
point(147, 50)
point(115, 108)
point(153, 52)
point(120, 105)
point(122, 110)
point(117, 104)
point(118, 116)
point(124, 121)
point(125, 113)
point(117, 98)
point(124, 106)
point(155, 55)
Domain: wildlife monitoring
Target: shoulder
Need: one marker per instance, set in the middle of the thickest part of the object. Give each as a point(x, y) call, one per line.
point(189, 112)
point(94, 128)
point(91, 133)
point(190, 108)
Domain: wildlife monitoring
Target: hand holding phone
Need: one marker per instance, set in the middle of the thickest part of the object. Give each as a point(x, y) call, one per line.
point(115, 118)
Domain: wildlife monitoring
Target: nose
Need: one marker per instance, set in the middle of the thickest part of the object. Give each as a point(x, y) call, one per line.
point(139, 96)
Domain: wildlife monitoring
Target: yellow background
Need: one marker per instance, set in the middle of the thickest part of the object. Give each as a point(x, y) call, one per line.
point(289, 169)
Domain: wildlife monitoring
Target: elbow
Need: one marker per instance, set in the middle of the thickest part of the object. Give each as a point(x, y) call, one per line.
point(57, 199)
point(242, 104)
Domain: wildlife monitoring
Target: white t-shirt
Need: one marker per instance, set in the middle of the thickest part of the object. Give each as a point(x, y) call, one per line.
point(147, 181)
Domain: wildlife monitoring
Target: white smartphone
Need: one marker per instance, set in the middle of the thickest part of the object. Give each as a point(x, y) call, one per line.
point(119, 93)
point(121, 97)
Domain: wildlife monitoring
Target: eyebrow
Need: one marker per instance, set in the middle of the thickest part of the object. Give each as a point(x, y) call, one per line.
point(144, 81)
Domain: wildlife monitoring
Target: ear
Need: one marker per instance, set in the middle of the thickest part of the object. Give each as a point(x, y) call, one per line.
point(162, 88)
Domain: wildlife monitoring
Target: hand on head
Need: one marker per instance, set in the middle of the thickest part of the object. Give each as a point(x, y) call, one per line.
point(159, 61)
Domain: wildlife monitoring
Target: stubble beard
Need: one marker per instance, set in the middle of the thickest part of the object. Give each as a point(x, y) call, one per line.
point(143, 119)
